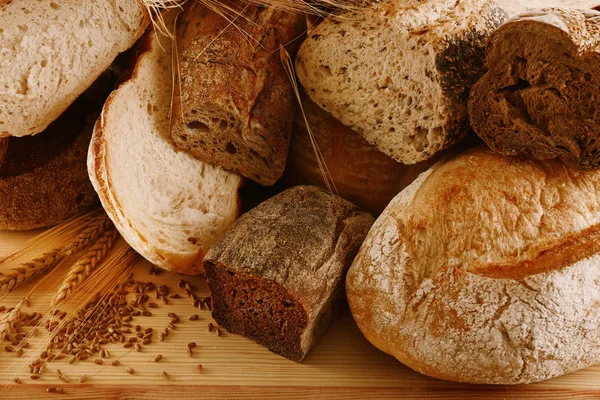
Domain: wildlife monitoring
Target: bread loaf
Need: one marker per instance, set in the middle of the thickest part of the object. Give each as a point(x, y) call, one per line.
point(537, 97)
point(234, 103)
point(361, 173)
point(485, 270)
point(277, 276)
point(400, 74)
point(514, 7)
point(52, 51)
point(169, 206)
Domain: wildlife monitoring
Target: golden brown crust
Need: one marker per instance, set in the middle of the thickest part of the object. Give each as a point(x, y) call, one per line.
point(236, 104)
point(361, 173)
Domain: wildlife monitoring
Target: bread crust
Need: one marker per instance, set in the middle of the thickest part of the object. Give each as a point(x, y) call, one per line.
point(485, 270)
point(535, 99)
point(234, 105)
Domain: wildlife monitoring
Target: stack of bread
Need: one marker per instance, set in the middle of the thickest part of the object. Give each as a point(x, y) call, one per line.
point(480, 267)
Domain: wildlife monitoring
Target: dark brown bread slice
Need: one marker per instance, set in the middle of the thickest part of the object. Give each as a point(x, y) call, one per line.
point(234, 104)
point(43, 178)
point(277, 276)
point(539, 95)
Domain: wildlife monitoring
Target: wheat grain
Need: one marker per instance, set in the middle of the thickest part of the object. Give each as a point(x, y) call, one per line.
point(84, 266)
point(7, 323)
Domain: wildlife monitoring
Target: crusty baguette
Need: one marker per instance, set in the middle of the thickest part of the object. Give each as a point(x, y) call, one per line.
point(400, 74)
point(277, 276)
point(537, 97)
point(52, 51)
point(361, 173)
point(485, 270)
point(169, 206)
point(236, 105)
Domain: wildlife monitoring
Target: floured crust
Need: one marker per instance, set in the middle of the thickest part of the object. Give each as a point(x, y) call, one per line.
point(485, 270)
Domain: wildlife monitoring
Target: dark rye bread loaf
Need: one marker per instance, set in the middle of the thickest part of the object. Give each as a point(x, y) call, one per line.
point(43, 178)
point(234, 103)
point(400, 73)
point(539, 95)
point(277, 276)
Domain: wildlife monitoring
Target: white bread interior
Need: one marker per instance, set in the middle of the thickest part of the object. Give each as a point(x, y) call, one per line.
point(51, 51)
point(169, 206)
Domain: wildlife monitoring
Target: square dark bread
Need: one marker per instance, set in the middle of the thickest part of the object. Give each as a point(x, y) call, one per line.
point(277, 276)
point(234, 104)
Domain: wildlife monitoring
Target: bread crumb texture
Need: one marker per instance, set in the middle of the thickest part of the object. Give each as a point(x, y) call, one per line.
point(426, 288)
point(400, 74)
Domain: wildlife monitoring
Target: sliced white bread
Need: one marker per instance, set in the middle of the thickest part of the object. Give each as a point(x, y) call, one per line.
point(169, 206)
point(51, 51)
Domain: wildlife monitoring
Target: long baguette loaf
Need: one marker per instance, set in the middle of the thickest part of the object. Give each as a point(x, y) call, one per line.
point(52, 51)
point(485, 270)
point(400, 74)
point(168, 205)
point(234, 103)
point(538, 96)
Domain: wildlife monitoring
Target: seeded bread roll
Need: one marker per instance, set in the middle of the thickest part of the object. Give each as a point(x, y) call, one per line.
point(486, 269)
point(277, 276)
point(234, 103)
point(537, 97)
point(400, 74)
point(362, 174)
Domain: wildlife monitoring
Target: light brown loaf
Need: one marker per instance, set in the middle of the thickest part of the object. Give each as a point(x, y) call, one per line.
point(485, 270)
point(169, 206)
point(361, 173)
point(52, 51)
point(399, 74)
point(537, 97)
point(234, 103)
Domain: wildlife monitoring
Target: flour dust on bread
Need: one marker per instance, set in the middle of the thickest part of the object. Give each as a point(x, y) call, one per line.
point(234, 104)
point(52, 51)
point(399, 74)
point(485, 270)
point(169, 206)
point(538, 96)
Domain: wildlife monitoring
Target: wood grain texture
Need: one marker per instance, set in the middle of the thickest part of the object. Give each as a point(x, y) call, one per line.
point(342, 365)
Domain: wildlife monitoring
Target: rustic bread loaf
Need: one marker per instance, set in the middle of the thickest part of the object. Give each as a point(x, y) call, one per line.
point(43, 178)
point(234, 103)
point(514, 7)
point(169, 206)
point(485, 270)
point(400, 74)
point(537, 97)
point(277, 276)
point(52, 51)
point(361, 173)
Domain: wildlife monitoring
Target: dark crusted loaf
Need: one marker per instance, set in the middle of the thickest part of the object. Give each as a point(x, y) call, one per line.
point(277, 276)
point(539, 95)
point(399, 74)
point(43, 178)
point(234, 104)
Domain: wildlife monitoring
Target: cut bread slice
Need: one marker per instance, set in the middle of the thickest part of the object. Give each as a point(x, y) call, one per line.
point(400, 74)
point(169, 206)
point(52, 51)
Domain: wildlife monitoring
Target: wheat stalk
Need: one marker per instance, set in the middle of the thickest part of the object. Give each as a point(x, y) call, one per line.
point(25, 272)
point(84, 266)
point(3, 149)
point(7, 322)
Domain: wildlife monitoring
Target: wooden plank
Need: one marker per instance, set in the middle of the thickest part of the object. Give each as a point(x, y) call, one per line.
point(343, 364)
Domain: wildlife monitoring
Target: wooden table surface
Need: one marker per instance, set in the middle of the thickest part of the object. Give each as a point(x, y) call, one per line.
point(342, 365)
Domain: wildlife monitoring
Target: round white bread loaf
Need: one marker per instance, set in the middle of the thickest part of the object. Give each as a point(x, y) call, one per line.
point(169, 206)
point(486, 269)
point(53, 50)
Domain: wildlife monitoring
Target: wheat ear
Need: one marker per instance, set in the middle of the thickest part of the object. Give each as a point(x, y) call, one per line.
point(7, 323)
point(50, 260)
point(85, 265)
